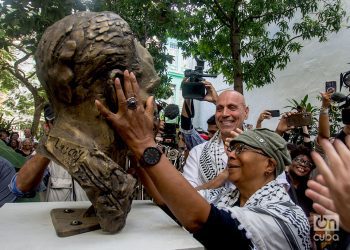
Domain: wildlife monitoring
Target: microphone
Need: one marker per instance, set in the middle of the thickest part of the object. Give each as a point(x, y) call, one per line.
point(171, 111)
point(339, 97)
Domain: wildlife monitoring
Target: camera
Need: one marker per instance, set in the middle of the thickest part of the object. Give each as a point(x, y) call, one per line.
point(344, 99)
point(171, 123)
point(194, 88)
point(299, 119)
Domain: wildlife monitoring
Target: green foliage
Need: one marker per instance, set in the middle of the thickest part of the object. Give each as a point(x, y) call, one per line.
point(22, 24)
point(247, 40)
point(5, 124)
point(335, 118)
point(27, 20)
point(305, 106)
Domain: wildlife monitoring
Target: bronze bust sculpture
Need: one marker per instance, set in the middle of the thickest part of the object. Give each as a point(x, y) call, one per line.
point(76, 60)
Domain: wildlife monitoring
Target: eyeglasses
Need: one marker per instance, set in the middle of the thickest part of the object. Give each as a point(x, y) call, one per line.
point(303, 163)
point(240, 147)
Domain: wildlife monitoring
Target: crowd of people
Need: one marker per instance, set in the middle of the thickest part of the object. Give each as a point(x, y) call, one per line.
point(36, 177)
point(247, 188)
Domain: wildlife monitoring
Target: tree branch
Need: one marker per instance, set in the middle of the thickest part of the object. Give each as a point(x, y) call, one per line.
point(18, 62)
point(267, 14)
point(20, 48)
point(20, 77)
point(221, 14)
point(31, 75)
point(288, 42)
point(218, 28)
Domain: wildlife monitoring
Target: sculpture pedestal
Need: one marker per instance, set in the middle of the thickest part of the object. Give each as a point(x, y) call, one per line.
point(69, 222)
point(29, 226)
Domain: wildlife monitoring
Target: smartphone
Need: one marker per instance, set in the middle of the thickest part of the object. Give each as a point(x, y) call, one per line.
point(274, 113)
point(331, 84)
point(299, 119)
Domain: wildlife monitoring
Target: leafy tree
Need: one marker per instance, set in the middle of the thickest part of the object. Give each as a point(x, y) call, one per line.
point(22, 24)
point(247, 40)
point(149, 20)
point(5, 125)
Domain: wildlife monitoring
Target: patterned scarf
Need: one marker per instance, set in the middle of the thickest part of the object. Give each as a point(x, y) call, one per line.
point(270, 218)
point(211, 159)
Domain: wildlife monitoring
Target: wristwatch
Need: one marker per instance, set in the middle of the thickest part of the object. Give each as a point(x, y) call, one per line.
point(150, 157)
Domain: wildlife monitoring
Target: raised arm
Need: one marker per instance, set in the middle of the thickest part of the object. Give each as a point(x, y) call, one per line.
point(323, 122)
point(31, 173)
point(191, 136)
point(282, 126)
point(135, 126)
point(263, 115)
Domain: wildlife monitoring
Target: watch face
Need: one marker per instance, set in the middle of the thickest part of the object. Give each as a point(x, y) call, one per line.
point(151, 156)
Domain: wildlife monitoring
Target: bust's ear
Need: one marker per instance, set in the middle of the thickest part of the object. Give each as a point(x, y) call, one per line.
point(63, 76)
point(61, 73)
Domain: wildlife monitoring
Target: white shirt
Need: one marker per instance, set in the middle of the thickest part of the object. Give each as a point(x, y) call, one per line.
point(191, 169)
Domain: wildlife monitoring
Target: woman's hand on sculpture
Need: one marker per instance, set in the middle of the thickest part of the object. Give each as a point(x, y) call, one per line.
point(332, 193)
point(134, 124)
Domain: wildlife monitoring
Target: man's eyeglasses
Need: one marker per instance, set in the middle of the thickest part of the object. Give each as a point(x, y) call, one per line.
point(240, 147)
point(303, 163)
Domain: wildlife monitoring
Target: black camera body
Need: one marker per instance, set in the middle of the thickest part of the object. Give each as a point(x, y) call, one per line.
point(345, 107)
point(341, 98)
point(345, 115)
point(169, 135)
point(194, 88)
point(171, 123)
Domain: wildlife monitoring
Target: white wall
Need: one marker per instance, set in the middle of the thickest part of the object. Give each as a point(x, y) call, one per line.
point(306, 73)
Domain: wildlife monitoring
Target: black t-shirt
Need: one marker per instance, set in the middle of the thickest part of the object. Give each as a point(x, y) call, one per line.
point(298, 195)
point(341, 136)
point(221, 232)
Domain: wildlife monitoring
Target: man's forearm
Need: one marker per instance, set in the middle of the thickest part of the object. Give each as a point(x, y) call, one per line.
point(31, 173)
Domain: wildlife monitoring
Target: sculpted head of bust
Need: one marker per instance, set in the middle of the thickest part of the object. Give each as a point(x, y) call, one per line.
point(77, 59)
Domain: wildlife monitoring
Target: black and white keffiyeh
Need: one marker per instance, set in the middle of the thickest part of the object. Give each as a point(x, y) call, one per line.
point(211, 159)
point(270, 218)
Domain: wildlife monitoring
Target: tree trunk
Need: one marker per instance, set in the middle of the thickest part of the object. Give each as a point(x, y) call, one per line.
point(39, 103)
point(236, 54)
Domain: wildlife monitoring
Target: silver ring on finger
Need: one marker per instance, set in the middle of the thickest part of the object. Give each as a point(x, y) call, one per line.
point(131, 103)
